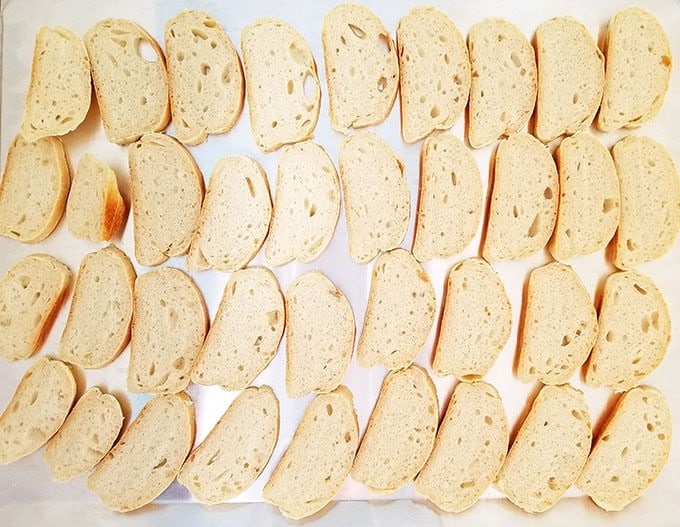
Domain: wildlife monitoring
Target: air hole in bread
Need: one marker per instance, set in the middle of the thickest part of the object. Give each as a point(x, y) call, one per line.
point(307, 86)
point(143, 101)
point(535, 226)
point(251, 187)
point(566, 340)
point(209, 23)
point(488, 420)
point(152, 369)
point(199, 33)
point(348, 437)
point(160, 464)
point(121, 42)
point(382, 83)
point(274, 124)
point(547, 193)
point(608, 205)
point(640, 289)
point(467, 484)
point(205, 69)
point(575, 98)
point(329, 409)
point(666, 60)
point(178, 363)
point(358, 32)
point(297, 54)
point(145, 50)
point(386, 42)
point(552, 485)
point(434, 112)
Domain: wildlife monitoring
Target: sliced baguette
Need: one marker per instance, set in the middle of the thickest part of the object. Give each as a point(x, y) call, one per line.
point(306, 205)
point(169, 324)
point(130, 81)
point(400, 432)
point(319, 457)
point(550, 449)
point(86, 436)
point(469, 450)
point(148, 456)
point(246, 332)
point(103, 292)
point(59, 93)
point(476, 322)
point(635, 331)
point(236, 450)
point(204, 76)
point(319, 335)
point(34, 188)
point(450, 203)
point(37, 409)
point(31, 293)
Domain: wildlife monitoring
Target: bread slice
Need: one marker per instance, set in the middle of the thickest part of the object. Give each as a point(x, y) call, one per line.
point(33, 189)
point(37, 409)
point(169, 324)
point(377, 201)
point(450, 203)
point(235, 216)
point(284, 95)
point(635, 331)
point(476, 322)
point(130, 81)
point(204, 76)
point(469, 450)
point(434, 72)
point(319, 335)
point(236, 450)
point(504, 85)
point(400, 312)
point(550, 449)
point(167, 192)
point(306, 205)
point(319, 457)
point(362, 70)
point(589, 208)
point(631, 451)
point(523, 200)
point(103, 292)
point(246, 331)
point(59, 93)
point(650, 201)
point(560, 325)
point(570, 78)
point(31, 293)
point(638, 70)
point(95, 209)
point(148, 456)
point(400, 432)
point(86, 436)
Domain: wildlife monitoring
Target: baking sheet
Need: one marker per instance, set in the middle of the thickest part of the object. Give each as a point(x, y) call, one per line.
point(26, 492)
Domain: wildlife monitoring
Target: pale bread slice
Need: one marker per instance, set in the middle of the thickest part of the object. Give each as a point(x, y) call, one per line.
point(205, 78)
point(632, 449)
point(560, 325)
point(400, 433)
point(306, 205)
point(550, 449)
point(31, 293)
point(235, 217)
point(59, 93)
point(650, 201)
point(167, 192)
point(34, 188)
point(400, 312)
point(524, 198)
point(95, 210)
point(284, 95)
point(169, 324)
point(319, 457)
point(37, 409)
point(319, 335)
point(362, 70)
point(635, 331)
point(469, 450)
point(434, 72)
point(638, 70)
point(475, 324)
point(86, 436)
point(103, 292)
point(246, 332)
point(129, 77)
point(236, 450)
point(148, 456)
point(570, 78)
point(450, 204)
point(375, 191)
point(589, 207)
point(504, 84)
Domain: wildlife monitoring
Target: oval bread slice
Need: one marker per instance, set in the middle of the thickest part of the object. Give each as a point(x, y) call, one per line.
point(148, 456)
point(86, 436)
point(37, 409)
point(236, 450)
